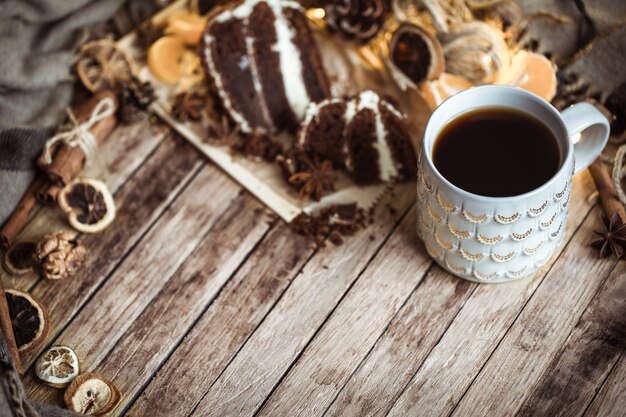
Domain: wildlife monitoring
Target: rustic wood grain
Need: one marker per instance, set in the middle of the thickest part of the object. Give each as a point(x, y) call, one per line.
point(403, 347)
point(354, 326)
point(140, 203)
point(571, 380)
point(118, 158)
point(225, 326)
point(485, 318)
point(288, 328)
point(611, 399)
point(410, 339)
point(140, 277)
point(160, 328)
point(541, 328)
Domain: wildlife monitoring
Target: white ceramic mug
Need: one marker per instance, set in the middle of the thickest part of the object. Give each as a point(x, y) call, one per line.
point(499, 239)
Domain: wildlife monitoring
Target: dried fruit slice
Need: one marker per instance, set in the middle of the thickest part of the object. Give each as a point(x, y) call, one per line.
point(89, 205)
point(58, 366)
point(532, 72)
point(18, 260)
point(164, 57)
point(475, 51)
point(447, 85)
point(415, 54)
point(29, 320)
point(91, 394)
point(103, 65)
point(187, 26)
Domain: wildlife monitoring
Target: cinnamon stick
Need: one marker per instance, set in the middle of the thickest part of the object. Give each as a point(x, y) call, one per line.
point(68, 160)
point(7, 329)
point(606, 190)
point(22, 212)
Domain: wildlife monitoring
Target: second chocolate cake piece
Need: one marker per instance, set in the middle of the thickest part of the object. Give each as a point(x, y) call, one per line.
point(365, 134)
point(263, 64)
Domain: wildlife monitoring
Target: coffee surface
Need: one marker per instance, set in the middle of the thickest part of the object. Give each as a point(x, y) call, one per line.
point(496, 152)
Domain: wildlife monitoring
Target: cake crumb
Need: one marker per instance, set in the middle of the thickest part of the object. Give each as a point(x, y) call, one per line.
point(333, 222)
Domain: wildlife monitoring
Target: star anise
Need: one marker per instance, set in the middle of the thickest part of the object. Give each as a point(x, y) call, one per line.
point(188, 106)
point(314, 179)
point(612, 239)
point(223, 133)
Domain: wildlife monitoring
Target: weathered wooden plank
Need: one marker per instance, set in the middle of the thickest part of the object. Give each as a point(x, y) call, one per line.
point(404, 346)
point(288, 328)
point(355, 325)
point(225, 326)
point(540, 329)
point(133, 285)
point(139, 203)
point(571, 380)
point(455, 361)
point(611, 399)
point(160, 328)
point(410, 338)
point(118, 157)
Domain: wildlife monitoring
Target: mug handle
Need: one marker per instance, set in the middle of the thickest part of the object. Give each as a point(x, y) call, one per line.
point(585, 120)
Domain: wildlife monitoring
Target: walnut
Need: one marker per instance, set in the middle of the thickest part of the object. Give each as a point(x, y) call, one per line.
point(59, 255)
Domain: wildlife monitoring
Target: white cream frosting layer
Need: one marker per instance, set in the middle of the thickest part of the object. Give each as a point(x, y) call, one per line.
point(365, 100)
point(289, 57)
point(387, 169)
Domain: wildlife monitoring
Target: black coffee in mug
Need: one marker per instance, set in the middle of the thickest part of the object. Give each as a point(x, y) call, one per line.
point(496, 152)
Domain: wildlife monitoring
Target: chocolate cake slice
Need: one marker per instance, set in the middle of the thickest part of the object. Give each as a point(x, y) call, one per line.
point(263, 64)
point(365, 134)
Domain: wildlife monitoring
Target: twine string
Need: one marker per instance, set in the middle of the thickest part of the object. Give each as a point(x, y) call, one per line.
point(80, 134)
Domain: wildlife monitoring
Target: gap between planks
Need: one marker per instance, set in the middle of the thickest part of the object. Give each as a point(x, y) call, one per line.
point(174, 164)
point(186, 384)
point(583, 363)
point(107, 315)
point(291, 399)
point(119, 159)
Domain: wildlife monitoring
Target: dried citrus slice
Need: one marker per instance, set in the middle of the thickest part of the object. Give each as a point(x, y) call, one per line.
point(416, 54)
point(187, 26)
point(91, 394)
point(29, 320)
point(103, 65)
point(164, 57)
point(18, 260)
point(533, 72)
point(89, 205)
point(447, 85)
point(58, 366)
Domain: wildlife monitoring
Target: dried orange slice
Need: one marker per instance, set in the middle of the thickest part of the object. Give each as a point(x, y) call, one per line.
point(88, 204)
point(103, 65)
point(18, 259)
point(58, 366)
point(29, 320)
point(533, 72)
point(187, 26)
point(91, 394)
point(447, 85)
point(164, 57)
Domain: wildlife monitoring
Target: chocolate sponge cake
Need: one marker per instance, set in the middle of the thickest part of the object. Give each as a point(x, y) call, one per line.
point(365, 134)
point(263, 64)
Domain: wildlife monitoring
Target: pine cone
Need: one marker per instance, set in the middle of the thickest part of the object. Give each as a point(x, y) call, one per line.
point(136, 97)
point(59, 255)
point(356, 20)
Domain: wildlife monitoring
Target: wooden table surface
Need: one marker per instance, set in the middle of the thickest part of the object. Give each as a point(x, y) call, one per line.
point(198, 301)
